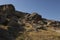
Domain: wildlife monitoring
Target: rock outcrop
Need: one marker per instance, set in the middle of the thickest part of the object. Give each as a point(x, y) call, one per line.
point(16, 25)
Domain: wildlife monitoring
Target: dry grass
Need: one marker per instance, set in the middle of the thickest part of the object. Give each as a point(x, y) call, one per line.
point(42, 35)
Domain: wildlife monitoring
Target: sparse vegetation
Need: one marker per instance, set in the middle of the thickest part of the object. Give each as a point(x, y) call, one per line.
point(15, 25)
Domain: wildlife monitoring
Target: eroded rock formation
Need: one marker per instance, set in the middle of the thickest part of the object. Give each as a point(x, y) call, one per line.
point(14, 23)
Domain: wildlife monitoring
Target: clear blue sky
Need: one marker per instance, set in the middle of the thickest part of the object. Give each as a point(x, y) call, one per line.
point(49, 9)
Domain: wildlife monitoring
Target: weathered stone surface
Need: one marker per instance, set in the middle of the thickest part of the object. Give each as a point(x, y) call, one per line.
point(8, 7)
point(33, 16)
point(5, 11)
point(13, 23)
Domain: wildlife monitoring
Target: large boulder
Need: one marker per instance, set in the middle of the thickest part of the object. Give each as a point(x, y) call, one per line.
point(7, 7)
point(34, 17)
point(6, 11)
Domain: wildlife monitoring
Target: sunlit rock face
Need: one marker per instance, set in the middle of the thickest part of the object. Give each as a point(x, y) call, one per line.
point(33, 16)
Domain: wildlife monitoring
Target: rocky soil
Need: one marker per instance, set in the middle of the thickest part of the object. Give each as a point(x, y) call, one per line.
point(17, 25)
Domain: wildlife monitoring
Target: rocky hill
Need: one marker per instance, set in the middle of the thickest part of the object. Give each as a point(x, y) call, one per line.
point(17, 25)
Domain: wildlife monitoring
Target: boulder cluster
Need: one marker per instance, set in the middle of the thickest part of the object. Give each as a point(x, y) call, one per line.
point(13, 22)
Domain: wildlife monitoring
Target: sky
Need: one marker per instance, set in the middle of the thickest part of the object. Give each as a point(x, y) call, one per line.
point(49, 9)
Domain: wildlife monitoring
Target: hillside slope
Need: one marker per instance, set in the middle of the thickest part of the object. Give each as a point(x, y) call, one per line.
point(17, 25)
